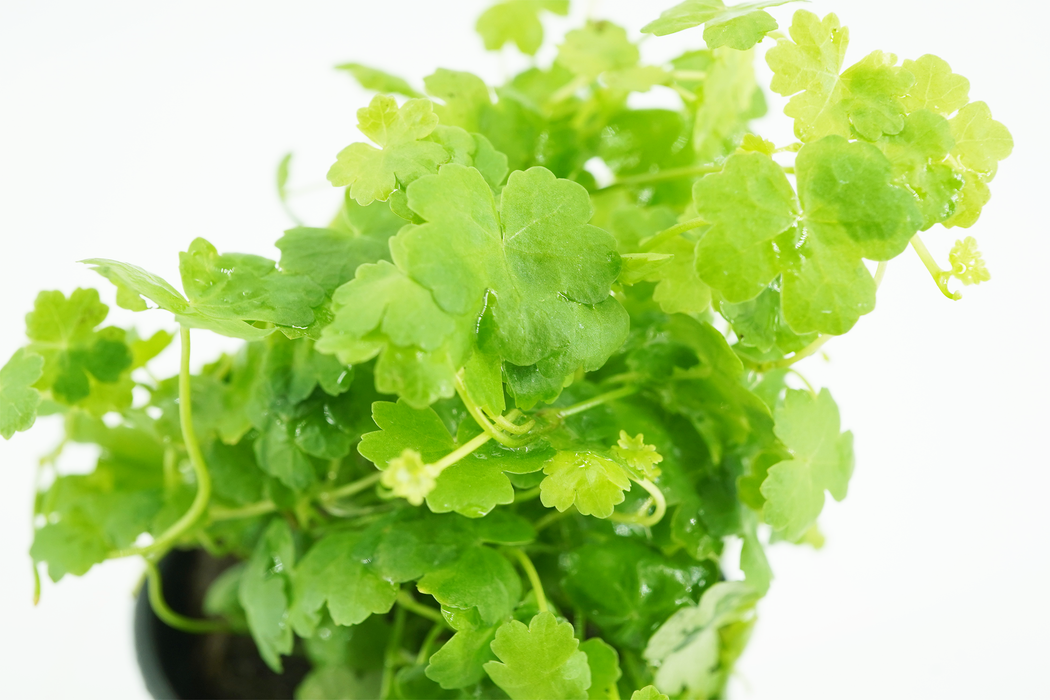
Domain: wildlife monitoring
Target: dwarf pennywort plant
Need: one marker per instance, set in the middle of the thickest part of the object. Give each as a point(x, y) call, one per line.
point(498, 418)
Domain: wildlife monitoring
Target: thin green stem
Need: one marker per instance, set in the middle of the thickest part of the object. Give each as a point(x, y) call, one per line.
point(670, 234)
point(200, 468)
point(218, 513)
point(354, 487)
point(596, 401)
point(406, 601)
point(549, 519)
point(804, 380)
point(479, 416)
point(393, 646)
point(534, 577)
point(506, 423)
point(569, 89)
point(665, 175)
point(690, 75)
point(805, 352)
point(940, 277)
point(643, 517)
point(428, 643)
point(880, 273)
point(528, 495)
point(462, 451)
point(172, 618)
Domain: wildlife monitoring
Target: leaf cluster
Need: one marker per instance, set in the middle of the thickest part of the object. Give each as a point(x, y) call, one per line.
point(490, 429)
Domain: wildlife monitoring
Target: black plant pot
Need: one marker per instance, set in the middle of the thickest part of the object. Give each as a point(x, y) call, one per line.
point(178, 664)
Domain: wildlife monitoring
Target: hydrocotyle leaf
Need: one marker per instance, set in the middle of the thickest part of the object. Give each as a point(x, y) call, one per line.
point(540, 661)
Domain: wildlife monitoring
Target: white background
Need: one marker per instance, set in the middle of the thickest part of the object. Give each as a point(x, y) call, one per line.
point(128, 128)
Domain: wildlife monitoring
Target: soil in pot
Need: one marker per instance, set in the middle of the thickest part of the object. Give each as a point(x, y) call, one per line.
point(178, 664)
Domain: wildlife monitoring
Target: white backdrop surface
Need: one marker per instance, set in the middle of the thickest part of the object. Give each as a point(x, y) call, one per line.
point(128, 128)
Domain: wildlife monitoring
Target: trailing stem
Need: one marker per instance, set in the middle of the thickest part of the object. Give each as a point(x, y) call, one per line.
point(643, 517)
point(940, 277)
point(169, 616)
point(534, 577)
point(200, 468)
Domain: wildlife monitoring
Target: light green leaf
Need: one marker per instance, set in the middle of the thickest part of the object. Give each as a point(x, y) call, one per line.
point(517, 21)
point(82, 366)
point(936, 88)
point(636, 79)
point(380, 81)
point(404, 427)
point(135, 283)
point(239, 287)
point(738, 27)
point(821, 459)
point(18, 399)
point(729, 102)
point(264, 592)
point(918, 153)
point(967, 264)
point(71, 546)
point(604, 663)
point(638, 267)
point(649, 692)
point(687, 649)
point(464, 96)
point(460, 661)
point(539, 662)
point(980, 141)
point(596, 48)
point(332, 572)
point(373, 173)
point(279, 456)
point(591, 482)
point(749, 203)
point(865, 98)
point(480, 579)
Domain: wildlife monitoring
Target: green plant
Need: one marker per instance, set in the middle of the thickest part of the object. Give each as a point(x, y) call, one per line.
point(640, 332)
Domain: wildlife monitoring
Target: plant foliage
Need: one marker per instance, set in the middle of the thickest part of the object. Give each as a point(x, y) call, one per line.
point(490, 428)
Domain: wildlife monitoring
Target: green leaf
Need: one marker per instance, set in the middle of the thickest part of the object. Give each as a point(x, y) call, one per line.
point(918, 153)
point(739, 27)
point(377, 80)
point(604, 663)
point(821, 459)
point(688, 648)
point(517, 21)
point(337, 683)
point(530, 256)
point(850, 209)
point(936, 88)
point(730, 99)
point(18, 399)
point(540, 661)
point(749, 203)
point(333, 572)
point(596, 48)
point(265, 590)
point(636, 79)
point(70, 546)
point(79, 360)
point(591, 482)
point(239, 287)
point(980, 141)
point(628, 589)
point(373, 173)
point(135, 283)
point(464, 96)
point(460, 661)
point(865, 98)
point(279, 456)
point(330, 258)
point(649, 692)
point(480, 579)
point(967, 264)
point(404, 427)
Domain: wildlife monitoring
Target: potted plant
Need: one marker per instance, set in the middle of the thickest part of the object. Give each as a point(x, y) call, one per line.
point(490, 429)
